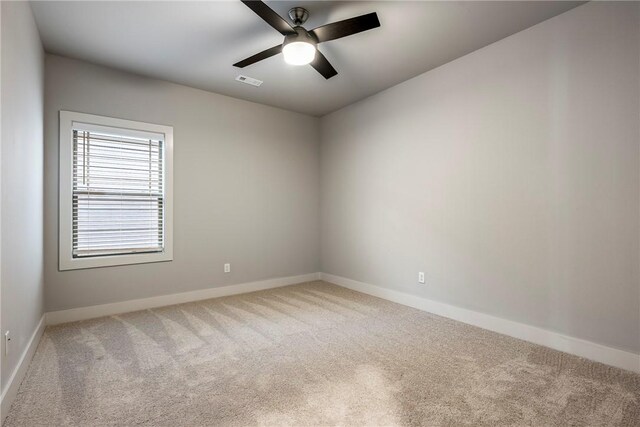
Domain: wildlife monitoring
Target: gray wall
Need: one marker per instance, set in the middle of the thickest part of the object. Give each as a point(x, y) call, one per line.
point(511, 176)
point(21, 204)
point(246, 186)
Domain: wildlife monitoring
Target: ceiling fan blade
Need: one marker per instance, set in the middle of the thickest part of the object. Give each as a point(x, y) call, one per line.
point(323, 66)
point(269, 16)
point(347, 27)
point(259, 56)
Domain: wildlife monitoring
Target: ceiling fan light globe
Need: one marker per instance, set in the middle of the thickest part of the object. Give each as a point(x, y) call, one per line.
point(299, 53)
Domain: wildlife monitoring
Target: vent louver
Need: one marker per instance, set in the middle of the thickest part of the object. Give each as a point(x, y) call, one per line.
point(249, 80)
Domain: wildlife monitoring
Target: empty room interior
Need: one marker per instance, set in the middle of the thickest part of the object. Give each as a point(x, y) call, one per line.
point(318, 213)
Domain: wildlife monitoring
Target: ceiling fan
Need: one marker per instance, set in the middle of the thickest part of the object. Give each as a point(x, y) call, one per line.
point(300, 46)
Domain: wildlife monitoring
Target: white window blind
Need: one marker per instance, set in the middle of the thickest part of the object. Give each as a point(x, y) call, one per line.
point(118, 198)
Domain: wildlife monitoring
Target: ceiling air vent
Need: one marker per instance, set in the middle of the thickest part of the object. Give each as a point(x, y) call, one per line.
point(249, 80)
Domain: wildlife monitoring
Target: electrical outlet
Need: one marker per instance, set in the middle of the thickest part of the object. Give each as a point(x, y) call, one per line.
point(227, 268)
point(421, 277)
point(7, 339)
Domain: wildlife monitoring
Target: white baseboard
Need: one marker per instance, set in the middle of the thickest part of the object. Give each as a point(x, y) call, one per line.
point(13, 384)
point(587, 349)
point(84, 313)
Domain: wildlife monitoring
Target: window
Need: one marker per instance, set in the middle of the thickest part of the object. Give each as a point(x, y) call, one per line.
point(115, 191)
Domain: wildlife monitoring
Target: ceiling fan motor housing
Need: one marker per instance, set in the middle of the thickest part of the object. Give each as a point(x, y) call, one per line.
point(301, 35)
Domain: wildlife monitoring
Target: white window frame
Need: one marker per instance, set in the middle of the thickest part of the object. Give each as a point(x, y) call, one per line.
point(65, 238)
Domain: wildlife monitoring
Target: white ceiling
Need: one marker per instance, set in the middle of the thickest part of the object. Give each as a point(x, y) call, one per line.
point(196, 43)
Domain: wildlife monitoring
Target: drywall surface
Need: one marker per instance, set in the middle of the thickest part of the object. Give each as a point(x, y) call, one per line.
point(510, 176)
point(246, 186)
point(21, 266)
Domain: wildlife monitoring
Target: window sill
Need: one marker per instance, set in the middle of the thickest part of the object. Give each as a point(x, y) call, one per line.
point(113, 260)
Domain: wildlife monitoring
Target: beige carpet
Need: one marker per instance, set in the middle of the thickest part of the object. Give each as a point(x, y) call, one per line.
point(309, 354)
